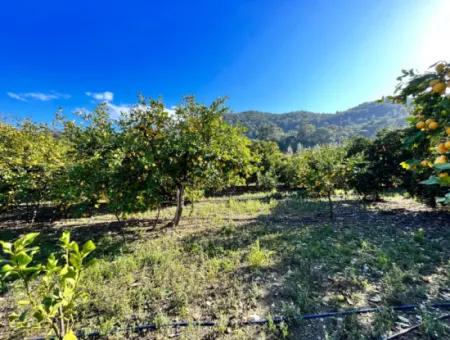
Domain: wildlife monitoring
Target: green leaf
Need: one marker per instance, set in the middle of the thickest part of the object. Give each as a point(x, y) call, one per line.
point(25, 241)
point(7, 268)
point(29, 238)
point(433, 180)
point(7, 247)
point(65, 238)
point(444, 166)
point(52, 262)
point(88, 247)
point(75, 261)
point(74, 246)
point(22, 258)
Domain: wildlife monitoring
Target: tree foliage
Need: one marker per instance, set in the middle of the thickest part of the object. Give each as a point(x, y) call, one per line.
point(31, 156)
point(428, 137)
point(320, 171)
point(376, 163)
point(204, 151)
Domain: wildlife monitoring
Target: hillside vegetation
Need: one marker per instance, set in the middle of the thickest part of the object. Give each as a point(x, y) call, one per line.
point(308, 129)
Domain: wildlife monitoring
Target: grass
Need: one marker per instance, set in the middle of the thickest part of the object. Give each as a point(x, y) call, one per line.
point(252, 256)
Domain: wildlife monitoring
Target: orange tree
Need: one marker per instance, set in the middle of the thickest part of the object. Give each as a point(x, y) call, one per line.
point(31, 156)
point(428, 96)
point(320, 171)
point(137, 181)
point(93, 142)
point(203, 152)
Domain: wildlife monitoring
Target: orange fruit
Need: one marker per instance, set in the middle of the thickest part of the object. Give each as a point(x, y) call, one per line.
point(441, 148)
point(443, 175)
point(447, 130)
point(438, 88)
point(420, 125)
point(433, 125)
point(440, 160)
point(429, 120)
point(424, 163)
point(447, 144)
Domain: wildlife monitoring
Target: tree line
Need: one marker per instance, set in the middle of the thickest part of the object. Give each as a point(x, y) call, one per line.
point(149, 157)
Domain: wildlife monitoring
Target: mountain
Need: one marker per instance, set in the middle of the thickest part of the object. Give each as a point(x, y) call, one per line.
point(303, 129)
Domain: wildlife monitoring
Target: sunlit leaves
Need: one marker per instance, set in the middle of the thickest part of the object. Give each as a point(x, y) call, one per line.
point(51, 302)
point(429, 98)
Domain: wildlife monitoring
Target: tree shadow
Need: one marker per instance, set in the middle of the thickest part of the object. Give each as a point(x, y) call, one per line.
point(376, 255)
point(112, 238)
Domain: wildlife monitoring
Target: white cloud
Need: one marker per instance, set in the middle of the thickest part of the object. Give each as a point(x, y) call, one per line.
point(171, 111)
point(80, 110)
point(16, 96)
point(115, 111)
point(37, 96)
point(106, 96)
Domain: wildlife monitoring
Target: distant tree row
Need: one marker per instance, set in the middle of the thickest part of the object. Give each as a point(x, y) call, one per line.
point(138, 162)
point(149, 158)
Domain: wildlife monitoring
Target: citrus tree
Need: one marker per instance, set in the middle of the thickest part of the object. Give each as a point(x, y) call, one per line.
point(321, 171)
point(31, 156)
point(137, 177)
point(428, 96)
point(93, 143)
point(203, 151)
point(375, 164)
point(267, 159)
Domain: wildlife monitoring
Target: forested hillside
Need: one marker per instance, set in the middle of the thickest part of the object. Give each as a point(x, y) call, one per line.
point(303, 128)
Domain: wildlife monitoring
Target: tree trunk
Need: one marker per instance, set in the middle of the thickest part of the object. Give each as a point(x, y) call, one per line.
point(180, 205)
point(157, 217)
point(330, 204)
point(192, 209)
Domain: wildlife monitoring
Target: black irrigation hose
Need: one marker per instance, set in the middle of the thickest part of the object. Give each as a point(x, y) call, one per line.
point(412, 328)
point(275, 320)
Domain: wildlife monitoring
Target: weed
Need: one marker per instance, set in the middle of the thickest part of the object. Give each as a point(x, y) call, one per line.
point(431, 327)
point(419, 235)
point(258, 257)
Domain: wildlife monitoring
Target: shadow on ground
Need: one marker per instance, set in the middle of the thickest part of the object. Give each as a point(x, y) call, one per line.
point(383, 254)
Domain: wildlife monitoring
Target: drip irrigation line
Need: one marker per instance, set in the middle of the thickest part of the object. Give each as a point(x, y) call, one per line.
point(412, 328)
point(276, 320)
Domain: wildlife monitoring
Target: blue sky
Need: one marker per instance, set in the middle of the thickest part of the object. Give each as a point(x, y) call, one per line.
point(272, 56)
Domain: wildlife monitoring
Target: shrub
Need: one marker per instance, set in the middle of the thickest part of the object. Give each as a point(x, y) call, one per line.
point(51, 302)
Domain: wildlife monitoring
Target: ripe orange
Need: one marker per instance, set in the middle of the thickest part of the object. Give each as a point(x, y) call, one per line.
point(440, 160)
point(447, 129)
point(447, 144)
point(441, 148)
point(433, 125)
point(443, 175)
point(424, 163)
point(420, 125)
point(439, 88)
point(429, 120)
